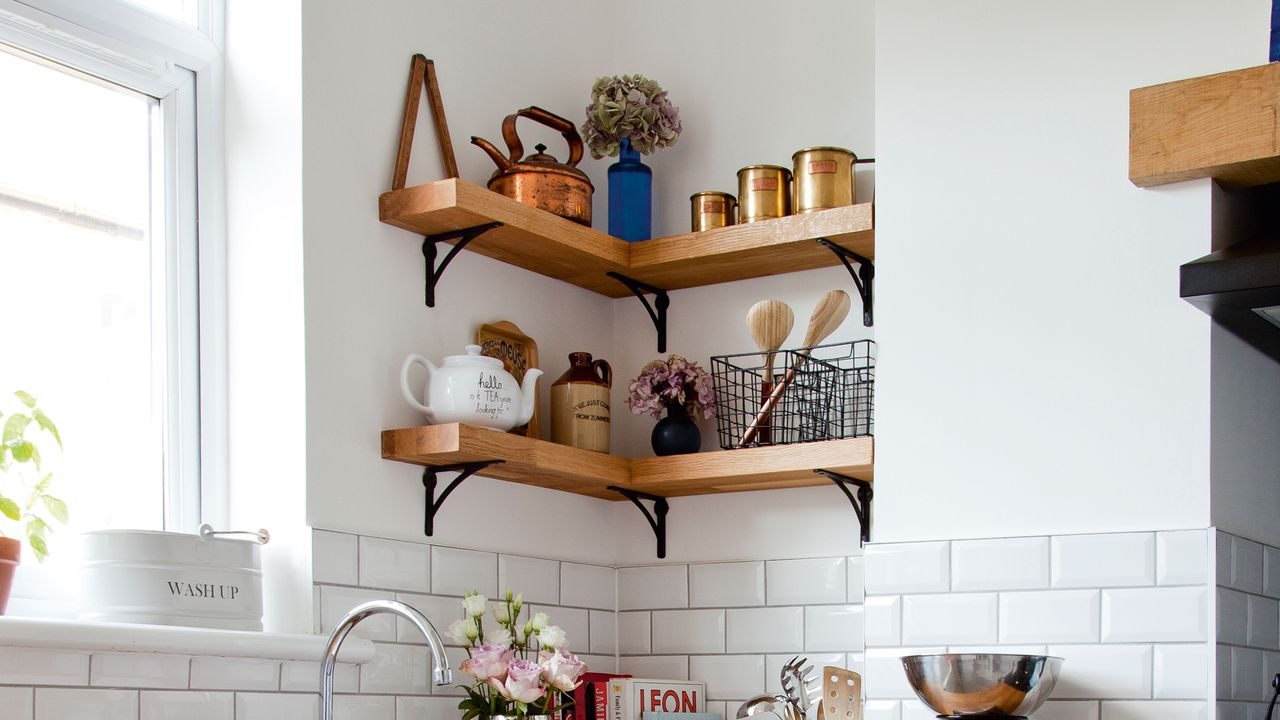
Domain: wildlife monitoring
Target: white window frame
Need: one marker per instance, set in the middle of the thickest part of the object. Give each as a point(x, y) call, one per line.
point(183, 67)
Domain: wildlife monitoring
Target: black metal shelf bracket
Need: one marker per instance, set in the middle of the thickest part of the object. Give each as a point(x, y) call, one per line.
point(430, 249)
point(464, 470)
point(661, 301)
point(864, 277)
point(660, 507)
point(861, 505)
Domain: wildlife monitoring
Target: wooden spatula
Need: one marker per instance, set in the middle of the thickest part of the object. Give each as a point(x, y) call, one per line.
point(841, 694)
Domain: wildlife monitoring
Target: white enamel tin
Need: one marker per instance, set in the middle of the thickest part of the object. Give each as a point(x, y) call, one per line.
point(472, 389)
point(164, 578)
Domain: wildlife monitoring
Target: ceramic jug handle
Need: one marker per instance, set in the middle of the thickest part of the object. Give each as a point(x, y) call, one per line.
point(404, 383)
point(606, 373)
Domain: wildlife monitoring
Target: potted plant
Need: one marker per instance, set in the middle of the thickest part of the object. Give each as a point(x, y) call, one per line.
point(681, 388)
point(26, 507)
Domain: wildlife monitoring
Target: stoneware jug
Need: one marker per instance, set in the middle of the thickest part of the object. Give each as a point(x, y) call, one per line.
point(580, 404)
point(472, 389)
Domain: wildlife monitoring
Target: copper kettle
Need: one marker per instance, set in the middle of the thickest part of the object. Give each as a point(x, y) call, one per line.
point(540, 180)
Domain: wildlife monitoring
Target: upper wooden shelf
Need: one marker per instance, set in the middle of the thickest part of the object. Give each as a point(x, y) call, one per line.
point(550, 245)
point(1222, 126)
point(560, 467)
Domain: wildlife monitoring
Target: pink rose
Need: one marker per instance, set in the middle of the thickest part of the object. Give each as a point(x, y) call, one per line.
point(524, 682)
point(561, 670)
point(488, 661)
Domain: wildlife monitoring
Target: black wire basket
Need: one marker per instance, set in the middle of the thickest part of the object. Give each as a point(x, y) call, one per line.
point(831, 394)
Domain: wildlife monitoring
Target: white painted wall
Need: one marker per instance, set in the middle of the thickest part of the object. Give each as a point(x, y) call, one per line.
point(1039, 373)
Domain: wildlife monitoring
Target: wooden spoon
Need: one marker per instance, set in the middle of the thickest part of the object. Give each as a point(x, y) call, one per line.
point(831, 310)
point(770, 323)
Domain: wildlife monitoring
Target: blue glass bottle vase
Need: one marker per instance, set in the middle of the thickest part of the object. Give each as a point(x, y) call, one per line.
point(630, 196)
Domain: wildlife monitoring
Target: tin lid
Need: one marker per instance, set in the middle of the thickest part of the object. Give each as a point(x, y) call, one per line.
point(828, 148)
point(765, 167)
point(712, 193)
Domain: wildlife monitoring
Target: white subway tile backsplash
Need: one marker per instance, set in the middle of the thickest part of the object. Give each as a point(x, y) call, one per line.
point(458, 572)
point(440, 612)
point(334, 558)
point(833, 628)
point(1120, 710)
point(1223, 669)
point(882, 710)
point(427, 708)
point(1114, 560)
point(952, 619)
point(1222, 557)
point(1181, 672)
point(456, 656)
point(304, 676)
point(1233, 617)
point(1068, 710)
point(1247, 679)
point(135, 670)
point(18, 703)
point(1264, 622)
point(633, 633)
point(806, 582)
point(537, 579)
point(395, 564)
point(1002, 564)
point(1246, 565)
point(762, 630)
point(32, 666)
point(81, 704)
point(600, 663)
point(1051, 616)
point(653, 587)
point(187, 705)
point(223, 673)
point(604, 632)
point(589, 586)
point(737, 584)
point(729, 677)
point(1171, 614)
point(399, 669)
point(884, 678)
point(719, 707)
point(907, 568)
point(575, 622)
point(276, 706)
point(336, 601)
point(857, 589)
point(882, 620)
point(1231, 711)
point(688, 631)
point(1182, 557)
point(364, 707)
point(916, 710)
point(1104, 671)
point(1271, 571)
point(675, 667)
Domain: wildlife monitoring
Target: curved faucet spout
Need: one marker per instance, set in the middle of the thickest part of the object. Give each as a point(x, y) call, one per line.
point(441, 675)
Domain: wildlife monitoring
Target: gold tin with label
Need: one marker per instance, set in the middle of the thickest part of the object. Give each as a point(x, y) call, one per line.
point(712, 210)
point(823, 178)
point(764, 191)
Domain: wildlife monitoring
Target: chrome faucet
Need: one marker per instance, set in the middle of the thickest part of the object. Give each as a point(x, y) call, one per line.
point(440, 674)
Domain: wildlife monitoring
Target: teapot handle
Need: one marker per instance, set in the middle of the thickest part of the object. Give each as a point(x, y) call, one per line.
point(551, 120)
point(606, 373)
point(404, 384)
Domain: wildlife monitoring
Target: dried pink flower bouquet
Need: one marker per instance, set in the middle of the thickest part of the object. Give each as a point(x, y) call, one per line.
point(674, 381)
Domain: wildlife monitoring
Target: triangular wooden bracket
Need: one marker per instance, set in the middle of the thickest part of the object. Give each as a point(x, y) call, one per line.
point(422, 73)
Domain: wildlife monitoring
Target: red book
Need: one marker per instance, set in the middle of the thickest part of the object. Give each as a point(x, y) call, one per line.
point(589, 697)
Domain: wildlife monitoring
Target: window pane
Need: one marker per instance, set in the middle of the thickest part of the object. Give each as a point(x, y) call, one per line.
point(180, 10)
point(79, 272)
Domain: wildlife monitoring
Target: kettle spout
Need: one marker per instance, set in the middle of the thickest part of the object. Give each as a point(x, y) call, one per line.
point(496, 155)
point(528, 396)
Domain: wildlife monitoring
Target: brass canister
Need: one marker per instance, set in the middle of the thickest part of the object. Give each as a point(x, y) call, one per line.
point(823, 178)
point(764, 191)
point(713, 209)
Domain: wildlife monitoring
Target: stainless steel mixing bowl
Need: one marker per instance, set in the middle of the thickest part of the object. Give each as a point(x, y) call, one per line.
point(976, 684)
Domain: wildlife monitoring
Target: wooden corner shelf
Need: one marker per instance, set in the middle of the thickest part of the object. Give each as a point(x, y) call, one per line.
point(1222, 126)
point(544, 464)
point(550, 245)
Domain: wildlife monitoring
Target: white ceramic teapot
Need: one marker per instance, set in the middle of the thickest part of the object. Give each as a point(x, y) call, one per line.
point(473, 389)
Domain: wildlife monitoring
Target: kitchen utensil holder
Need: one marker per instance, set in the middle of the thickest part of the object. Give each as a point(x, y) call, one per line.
point(832, 396)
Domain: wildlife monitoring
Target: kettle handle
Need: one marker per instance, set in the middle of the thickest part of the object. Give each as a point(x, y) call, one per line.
point(404, 384)
point(606, 373)
point(551, 120)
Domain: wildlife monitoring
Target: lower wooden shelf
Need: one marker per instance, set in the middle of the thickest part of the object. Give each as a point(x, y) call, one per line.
point(544, 464)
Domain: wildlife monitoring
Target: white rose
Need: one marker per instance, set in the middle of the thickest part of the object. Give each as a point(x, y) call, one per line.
point(539, 621)
point(458, 630)
point(500, 636)
point(501, 614)
point(552, 637)
point(475, 604)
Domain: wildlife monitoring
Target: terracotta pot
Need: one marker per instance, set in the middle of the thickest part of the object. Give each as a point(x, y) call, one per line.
point(10, 552)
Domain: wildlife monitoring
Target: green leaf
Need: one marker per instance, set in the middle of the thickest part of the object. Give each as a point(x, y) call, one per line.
point(26, 398)
point(10, 509)
point(47, 425)
point(56, 508)
point(14, 427)
point(22, 451)
point(35, 455)
point(36, 527)
point(43, 485)
point(40, 546)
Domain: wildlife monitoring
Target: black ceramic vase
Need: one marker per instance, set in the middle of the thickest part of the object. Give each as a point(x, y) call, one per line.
point(676, 434)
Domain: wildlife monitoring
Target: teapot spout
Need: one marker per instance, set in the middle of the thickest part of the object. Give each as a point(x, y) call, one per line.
point(528, 395)
point(496, 155)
